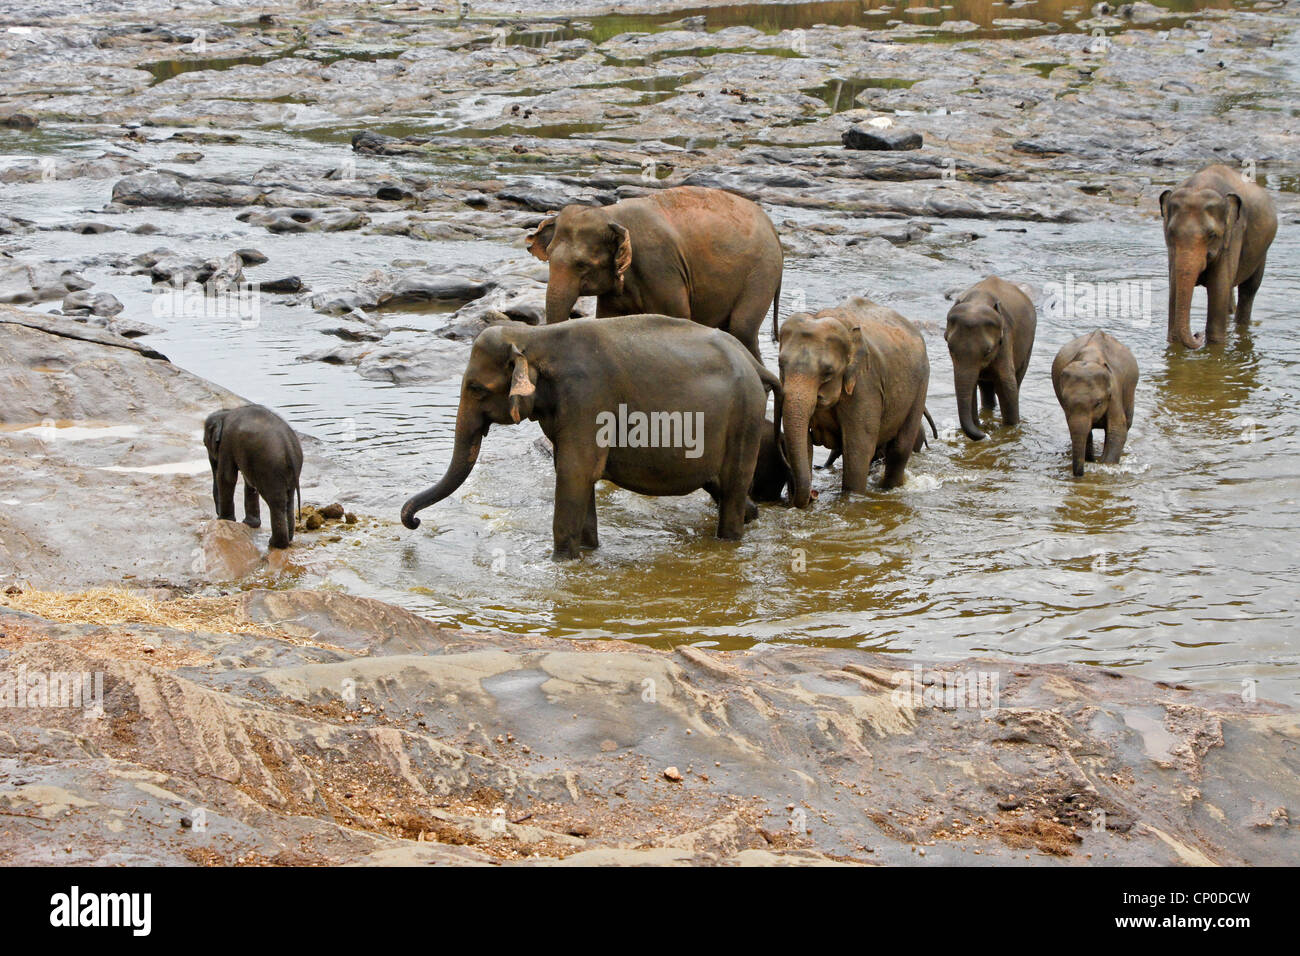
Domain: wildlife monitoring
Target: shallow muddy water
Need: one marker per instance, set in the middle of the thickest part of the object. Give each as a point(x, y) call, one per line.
point(1179, 562)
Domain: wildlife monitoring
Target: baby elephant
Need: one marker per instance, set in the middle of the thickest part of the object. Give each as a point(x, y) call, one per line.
point(990, 335)
point(1095, 377)
point(854, 379)
point(257, 443)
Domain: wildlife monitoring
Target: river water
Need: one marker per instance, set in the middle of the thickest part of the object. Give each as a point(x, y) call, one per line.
point(1180, 563)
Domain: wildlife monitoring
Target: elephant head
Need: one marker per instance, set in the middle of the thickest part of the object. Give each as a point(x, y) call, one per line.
point(821, 358)
point(976, 325)
point(500, 387)
point(1089, 393)
point(1199, 224)
point(588, 254)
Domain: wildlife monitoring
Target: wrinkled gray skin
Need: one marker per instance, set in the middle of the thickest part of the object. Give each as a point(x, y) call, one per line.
point(1095, 377)
point(855, 378)
point(701, 254)
point(565, 376)
point(990, 335)
point(257, 444)
point(1218, 227)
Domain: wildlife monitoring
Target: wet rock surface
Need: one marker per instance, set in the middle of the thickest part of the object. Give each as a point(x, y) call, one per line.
point(353, 732)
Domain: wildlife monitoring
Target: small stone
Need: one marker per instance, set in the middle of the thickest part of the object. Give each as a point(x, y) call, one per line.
point(866, 137)
point(673, 774)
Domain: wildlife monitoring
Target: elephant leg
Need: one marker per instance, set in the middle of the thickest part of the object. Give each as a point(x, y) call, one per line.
point(574, 487)
point(1089, 454)
point(1008, 392)
point(859, 451)
point(1219, 289)
point(590, 536)
point(1116, 435)
point(747, 317)
point(252, 506)
point(289, 511)
point(281, 522)
point(898, 451)
point(735, 509)
point(223, 490)
point(830, 460)
point(988, 395)
point(1246, 295)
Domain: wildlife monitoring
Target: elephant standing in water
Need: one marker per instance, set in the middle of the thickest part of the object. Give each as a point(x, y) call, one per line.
point(657, 405)
point(1218, 227)
point(855, 379)
point(1095, 378)
point(258, 444)
point(700, 254)
point(990, 336)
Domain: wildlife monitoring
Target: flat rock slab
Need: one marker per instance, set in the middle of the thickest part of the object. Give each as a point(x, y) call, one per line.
point(353, 732)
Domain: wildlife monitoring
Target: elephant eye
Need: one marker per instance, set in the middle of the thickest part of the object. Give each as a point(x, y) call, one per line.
point(476, 388)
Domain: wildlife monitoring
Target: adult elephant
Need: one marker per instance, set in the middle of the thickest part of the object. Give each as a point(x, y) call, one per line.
point(854, 379)
point(1218, 227)
point(701, 254)
point(657, 405)
point(990, 335)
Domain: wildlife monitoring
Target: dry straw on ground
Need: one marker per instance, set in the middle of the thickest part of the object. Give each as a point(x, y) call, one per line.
point(112, 606)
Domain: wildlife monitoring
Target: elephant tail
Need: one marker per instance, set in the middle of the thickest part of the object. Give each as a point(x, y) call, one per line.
point(931, 421)
point(776, 307)
point(771, 384)
point(297, 490)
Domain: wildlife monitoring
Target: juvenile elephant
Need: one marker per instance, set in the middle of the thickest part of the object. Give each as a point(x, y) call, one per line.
point(1095, 377)
point(1218, 227)
point(990, 335)
point(657, 405)
point(772, 472)
point(700, 254)
point(258, 444)
point(854, 378)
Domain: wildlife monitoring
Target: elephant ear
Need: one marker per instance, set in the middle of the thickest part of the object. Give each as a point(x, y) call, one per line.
point(622, 253)
point(212, 429)
point(1234, 212)
point(523, 386)
point(858, 362)
point(540, 240)
point(1164, 202)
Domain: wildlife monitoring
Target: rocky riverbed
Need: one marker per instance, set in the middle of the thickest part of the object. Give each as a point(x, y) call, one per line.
point(318, 206)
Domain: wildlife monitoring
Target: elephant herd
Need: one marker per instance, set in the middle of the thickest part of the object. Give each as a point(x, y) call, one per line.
point(664, 392)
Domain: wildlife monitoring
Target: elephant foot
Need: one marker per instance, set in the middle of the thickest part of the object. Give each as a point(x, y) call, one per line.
point(751, 511)
point(253, 522)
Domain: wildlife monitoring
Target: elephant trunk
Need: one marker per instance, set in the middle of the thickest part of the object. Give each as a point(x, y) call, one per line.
point(1080, 429)
point(470, 430)
point(561, 294)
point(966, 379)
point(797, 406)
point(1185, 269)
